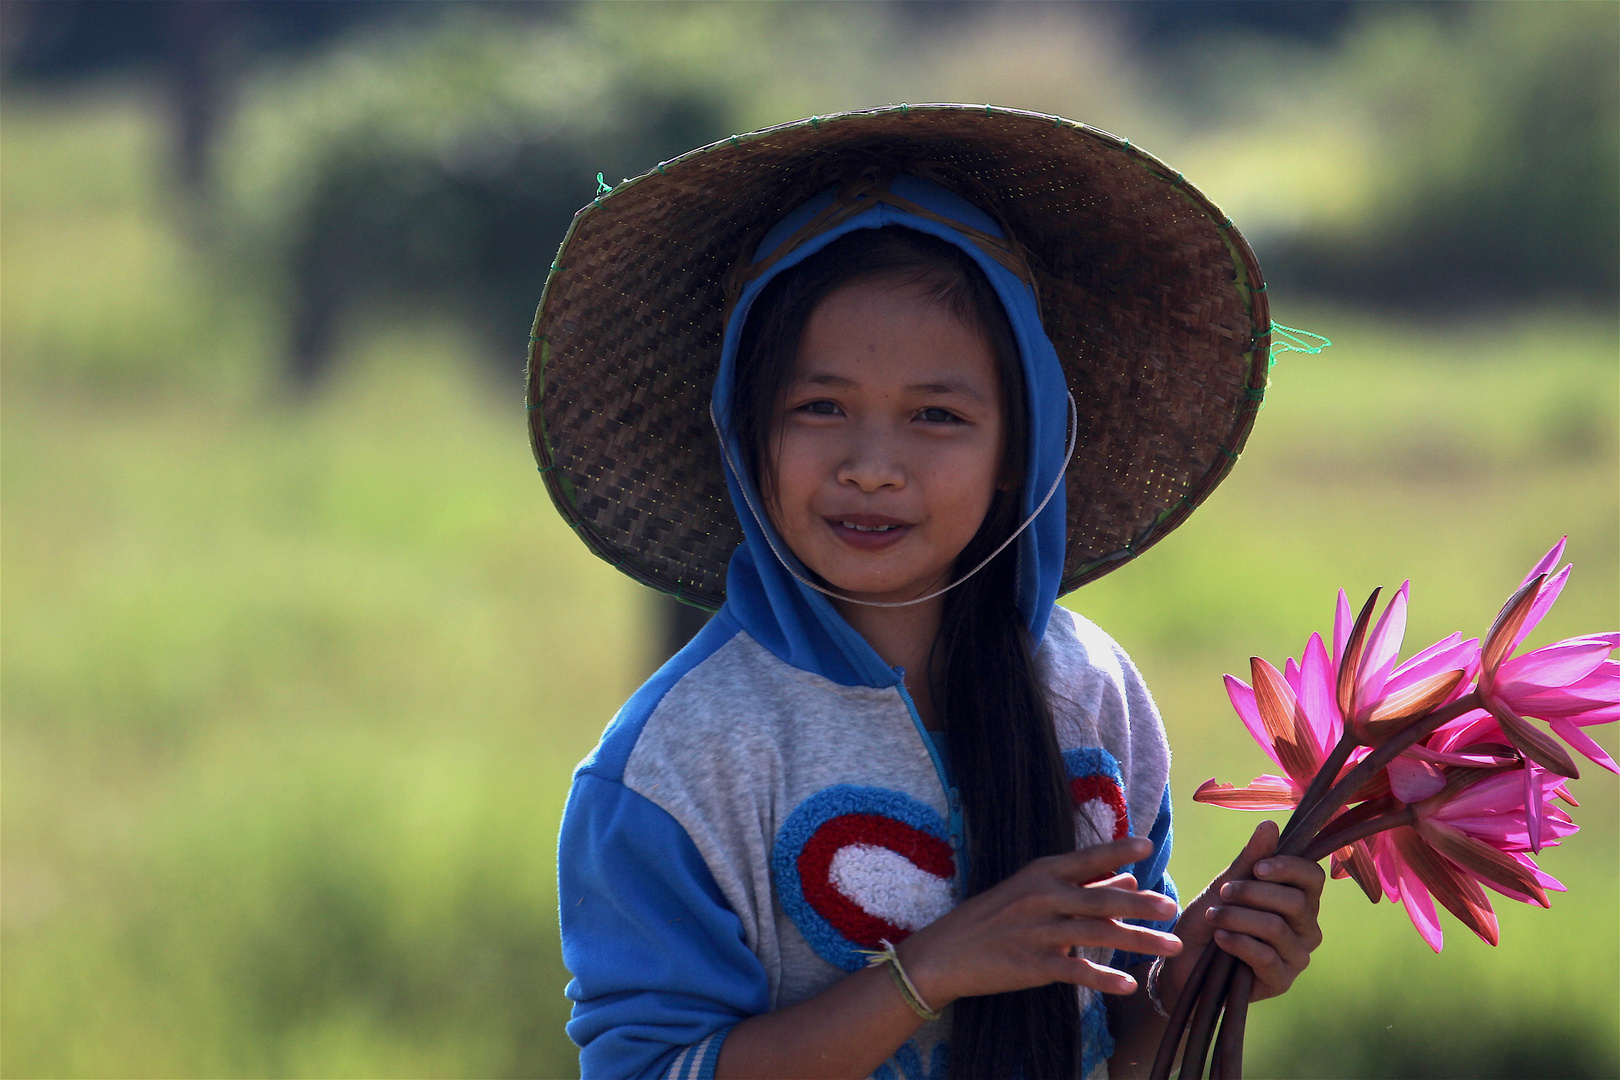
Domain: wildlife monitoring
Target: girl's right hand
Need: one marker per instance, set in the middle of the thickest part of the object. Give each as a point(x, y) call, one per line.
point(1021, 933)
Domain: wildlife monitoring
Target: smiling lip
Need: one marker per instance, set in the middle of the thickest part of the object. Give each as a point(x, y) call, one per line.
point(868, 532)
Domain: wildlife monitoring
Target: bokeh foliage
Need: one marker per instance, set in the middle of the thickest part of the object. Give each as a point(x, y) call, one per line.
point(292, 685)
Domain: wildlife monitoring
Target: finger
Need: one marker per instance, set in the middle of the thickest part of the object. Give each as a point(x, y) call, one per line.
point(1088, 864)
point(1110, 934)
point(1082, 972)
point(1270, 972)
point(1106, 903)
point(1293, 904)
point(1118, 881)
point(1261, 844)
point(1288, 870)
point(1273, 930)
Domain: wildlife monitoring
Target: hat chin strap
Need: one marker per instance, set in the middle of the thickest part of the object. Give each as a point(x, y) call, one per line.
point(765, 525)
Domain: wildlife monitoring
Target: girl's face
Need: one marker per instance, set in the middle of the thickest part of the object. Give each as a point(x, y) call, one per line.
point(889, 445)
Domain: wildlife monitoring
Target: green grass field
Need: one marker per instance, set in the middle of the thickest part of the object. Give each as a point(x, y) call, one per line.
point(292, 689)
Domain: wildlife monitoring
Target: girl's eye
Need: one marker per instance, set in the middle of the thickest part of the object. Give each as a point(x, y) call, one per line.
point(819, 408)
point(936, 415)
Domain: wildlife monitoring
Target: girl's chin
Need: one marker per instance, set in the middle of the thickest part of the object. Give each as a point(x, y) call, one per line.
point(875, 589)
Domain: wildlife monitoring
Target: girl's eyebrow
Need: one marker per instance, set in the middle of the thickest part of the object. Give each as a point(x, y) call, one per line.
point(946, 386)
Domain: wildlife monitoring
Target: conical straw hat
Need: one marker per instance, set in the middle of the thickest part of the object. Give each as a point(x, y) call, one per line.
point(1154, 303)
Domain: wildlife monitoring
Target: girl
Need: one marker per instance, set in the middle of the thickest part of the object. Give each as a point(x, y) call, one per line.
point(893, 812)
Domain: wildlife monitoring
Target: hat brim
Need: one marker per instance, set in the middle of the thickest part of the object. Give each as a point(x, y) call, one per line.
point(1152, 299)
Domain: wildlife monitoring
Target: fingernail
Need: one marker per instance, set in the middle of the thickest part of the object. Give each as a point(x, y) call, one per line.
point(1263, 869)
point(1226, 891)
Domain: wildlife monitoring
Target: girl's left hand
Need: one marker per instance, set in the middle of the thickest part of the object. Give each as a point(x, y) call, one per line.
point(1269, 923)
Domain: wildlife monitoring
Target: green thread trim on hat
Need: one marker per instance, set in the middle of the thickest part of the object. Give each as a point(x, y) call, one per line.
point(602, 188)
point(543, 469)
point(815, 123)
point(1254, 393)
point(1291, 339)
point(1227, 224)
point(1126, 145)
point(905, 110)
point(1233, 454)
point(988, 111)
point(661, 171)
point(1258, 288)
point(556, 267)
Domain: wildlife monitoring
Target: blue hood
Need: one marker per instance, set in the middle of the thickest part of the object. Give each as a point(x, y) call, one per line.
point(800, 625)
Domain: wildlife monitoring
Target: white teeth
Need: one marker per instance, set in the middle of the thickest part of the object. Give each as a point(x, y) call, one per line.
point(867, 528)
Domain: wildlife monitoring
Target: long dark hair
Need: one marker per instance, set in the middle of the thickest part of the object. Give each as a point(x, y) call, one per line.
point(982, 676)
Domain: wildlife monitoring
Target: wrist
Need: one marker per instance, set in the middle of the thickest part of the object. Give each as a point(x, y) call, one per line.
point(1172, 976)
point(928, 976)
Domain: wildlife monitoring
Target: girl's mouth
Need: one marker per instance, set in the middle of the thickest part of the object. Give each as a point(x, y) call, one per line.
point(866, 533)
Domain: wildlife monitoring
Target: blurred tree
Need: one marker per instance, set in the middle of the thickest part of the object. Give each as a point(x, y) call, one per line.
point(437, 167)
point(193, 52)
point(1496, 151)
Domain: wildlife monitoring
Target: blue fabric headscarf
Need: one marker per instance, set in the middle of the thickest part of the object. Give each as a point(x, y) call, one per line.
point(800, 625)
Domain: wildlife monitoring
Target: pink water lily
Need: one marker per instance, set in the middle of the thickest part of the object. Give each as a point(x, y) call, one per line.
point(1570, 685)
point(1410, 831)
point(1472, 834)
point(1427, 781)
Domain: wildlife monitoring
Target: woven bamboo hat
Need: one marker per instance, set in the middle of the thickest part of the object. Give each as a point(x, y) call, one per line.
point(1153, 301)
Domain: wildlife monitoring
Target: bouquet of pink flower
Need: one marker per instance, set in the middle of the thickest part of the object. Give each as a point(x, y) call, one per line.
point(1424, 780)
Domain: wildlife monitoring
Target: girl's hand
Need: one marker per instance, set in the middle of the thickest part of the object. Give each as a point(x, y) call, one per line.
point(1020, 933)
point(1269, 923)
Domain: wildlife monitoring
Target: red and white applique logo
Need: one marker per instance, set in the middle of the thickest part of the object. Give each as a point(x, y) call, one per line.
point(1097, 793)
point(857, 866)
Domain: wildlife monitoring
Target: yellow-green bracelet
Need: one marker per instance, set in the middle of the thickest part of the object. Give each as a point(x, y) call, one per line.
point(897, 971)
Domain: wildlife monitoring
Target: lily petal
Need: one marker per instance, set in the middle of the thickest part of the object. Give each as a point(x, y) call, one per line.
point(1532, 742)
point(1350, 656)
point(1502, 638)
point(1475, 759)
point(1415, 893)
point(1357, 861)
point(1545, 598)
point(1316, 696)
point(1547, 562)
point(1400, 709)
point(1265, 792)
point(1412, 780)
point(1460, 894)
point(1279, 709)
point(1242, 697)
point(1383, 646)
point(1552, 667)
point(1478, 858)
point(1343, 620)
point(1581, 741)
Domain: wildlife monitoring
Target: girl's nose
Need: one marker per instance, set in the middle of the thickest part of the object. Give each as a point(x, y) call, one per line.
point(872, 463)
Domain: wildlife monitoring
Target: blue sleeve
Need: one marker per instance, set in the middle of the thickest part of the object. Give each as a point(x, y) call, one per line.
point(1153, 875)
point(660, 969)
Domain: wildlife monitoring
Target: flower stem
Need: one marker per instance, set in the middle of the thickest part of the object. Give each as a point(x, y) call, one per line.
point(1303, 833)
point(1322, 781)
point(1229, 1044)
point(1176, 1026)
point(1203, 1022)
point(1331, 841)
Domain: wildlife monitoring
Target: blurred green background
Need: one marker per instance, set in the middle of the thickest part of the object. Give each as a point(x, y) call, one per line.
point(297, 658)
